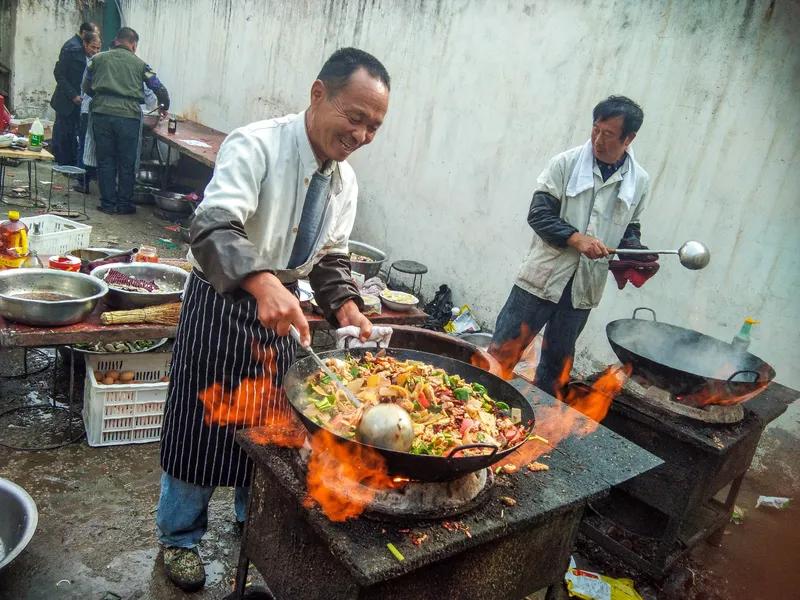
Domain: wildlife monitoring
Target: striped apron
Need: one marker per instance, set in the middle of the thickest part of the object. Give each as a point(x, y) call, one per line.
point(227, 371)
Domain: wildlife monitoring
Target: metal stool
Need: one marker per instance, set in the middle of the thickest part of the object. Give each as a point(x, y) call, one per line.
point(409, 267)
point(67, 172)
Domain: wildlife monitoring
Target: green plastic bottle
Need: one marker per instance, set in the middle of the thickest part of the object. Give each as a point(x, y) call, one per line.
point(741, 341)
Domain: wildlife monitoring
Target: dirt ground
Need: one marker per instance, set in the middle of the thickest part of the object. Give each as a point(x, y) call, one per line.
point(96, 534)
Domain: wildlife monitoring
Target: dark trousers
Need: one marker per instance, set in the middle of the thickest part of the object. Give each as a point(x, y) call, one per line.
point(65, 137)
point(91, 172)
point(116, 142)
point(522, 317)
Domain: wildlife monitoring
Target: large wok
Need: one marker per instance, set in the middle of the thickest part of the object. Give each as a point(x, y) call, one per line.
point(420, 467)
point(685, 362)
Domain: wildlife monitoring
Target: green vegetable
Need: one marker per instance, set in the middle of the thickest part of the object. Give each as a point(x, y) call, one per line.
point(354, 371)
point(478, 388)
point(445, 379)
point(462, 393)
point(420, 447)
point(324, 404)
point(325, 379)
point(502, 406)
point(395, 552)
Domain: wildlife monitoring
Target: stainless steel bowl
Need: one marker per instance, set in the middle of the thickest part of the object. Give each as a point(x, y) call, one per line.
point(172, 202)
point(149, 175)
point(143, 194)
point(150, 121)
point(18, 520)
point(165, 276)
point(367, 269)
point(80, 293)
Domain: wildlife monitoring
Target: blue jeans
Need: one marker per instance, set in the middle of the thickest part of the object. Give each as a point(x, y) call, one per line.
point(522, 317)
point(182, 517)
point(116, 144)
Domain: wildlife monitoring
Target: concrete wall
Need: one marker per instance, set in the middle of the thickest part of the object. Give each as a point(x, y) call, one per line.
point(484, 92)
point(42, 27)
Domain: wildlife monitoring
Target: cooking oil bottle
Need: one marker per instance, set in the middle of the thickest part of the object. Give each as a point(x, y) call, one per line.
point(13, 241)
point(741, 341)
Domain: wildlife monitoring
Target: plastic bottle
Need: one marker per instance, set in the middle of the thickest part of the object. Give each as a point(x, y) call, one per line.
point(13, 241)
point(741, 341)
point(36, 136)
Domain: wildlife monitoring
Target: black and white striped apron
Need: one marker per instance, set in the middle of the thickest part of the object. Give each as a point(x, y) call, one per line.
point(219, 342)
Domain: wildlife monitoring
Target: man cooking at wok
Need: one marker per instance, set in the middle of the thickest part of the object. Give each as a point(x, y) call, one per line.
point(588, 200)
point(280, 207)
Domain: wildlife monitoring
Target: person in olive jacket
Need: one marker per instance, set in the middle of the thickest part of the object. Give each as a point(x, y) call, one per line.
point(66, 99)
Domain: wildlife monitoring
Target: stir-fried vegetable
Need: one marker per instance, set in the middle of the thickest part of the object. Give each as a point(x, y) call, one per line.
point(446, 410)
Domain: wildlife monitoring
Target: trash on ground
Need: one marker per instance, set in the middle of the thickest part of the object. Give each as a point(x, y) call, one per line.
point(773, 502)
point(737, 517)
point(593, 586)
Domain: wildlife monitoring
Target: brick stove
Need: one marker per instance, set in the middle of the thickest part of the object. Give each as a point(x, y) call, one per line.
point(491, 551)
point(652, 520)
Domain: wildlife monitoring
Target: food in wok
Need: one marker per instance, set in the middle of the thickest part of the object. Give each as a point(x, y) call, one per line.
point(446, 411)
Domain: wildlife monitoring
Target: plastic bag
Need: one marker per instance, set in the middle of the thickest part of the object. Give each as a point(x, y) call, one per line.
point(464, 322)
point(593, 586)
point(773, 501)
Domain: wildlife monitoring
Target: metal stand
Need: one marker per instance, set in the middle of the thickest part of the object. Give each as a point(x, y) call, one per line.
point(67, 172)
point(33, 181)
point(409, 267)
point(51, 406)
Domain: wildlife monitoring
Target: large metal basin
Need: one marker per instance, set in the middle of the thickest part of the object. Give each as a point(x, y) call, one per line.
point(366, 268)
point(172, 202)
point(80, 294)
point(165, 276)
point(18, 519)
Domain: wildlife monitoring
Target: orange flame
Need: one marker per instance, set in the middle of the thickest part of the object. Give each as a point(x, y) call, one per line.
point(503, 358)
point(343, 478)
point(579, 413)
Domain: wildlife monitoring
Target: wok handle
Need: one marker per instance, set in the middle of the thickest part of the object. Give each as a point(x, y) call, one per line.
point(635, 310)
point(756, 373)
point(494, 448)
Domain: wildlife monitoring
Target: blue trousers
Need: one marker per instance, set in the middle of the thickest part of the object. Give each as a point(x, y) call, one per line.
point(522, 317)
point(116, 144)
point(182, 517)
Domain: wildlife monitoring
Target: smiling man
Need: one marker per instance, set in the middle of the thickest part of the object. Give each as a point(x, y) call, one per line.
point(280, 207)
point(588, 200)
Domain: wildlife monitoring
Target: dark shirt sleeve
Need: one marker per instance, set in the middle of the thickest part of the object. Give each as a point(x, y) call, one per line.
point(152, 81)
point(544, 217)
point(632, 238)
point(225, 255)
point(333, 285)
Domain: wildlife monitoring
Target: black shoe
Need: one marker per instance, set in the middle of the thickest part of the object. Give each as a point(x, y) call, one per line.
point(184, 568)
point(108, 211)
point(126, 210)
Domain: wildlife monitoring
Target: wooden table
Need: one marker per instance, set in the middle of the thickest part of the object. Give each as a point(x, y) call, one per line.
point(16, 335)
point(186, 132)
point(28, 156)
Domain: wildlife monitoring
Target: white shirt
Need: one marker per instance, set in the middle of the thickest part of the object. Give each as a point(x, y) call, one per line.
point(261, 176)
point(598, 212)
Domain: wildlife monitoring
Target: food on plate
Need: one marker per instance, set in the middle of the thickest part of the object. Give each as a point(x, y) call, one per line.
point(360, 258)
point(399, 297)
point(446, 410)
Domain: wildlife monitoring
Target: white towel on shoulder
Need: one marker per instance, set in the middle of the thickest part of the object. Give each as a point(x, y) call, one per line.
point(582, 176)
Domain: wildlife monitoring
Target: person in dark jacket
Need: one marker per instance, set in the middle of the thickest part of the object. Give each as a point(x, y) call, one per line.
point(66, 99)
point(114, 81)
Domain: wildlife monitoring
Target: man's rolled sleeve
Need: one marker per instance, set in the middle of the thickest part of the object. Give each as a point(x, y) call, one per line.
point(333, 285)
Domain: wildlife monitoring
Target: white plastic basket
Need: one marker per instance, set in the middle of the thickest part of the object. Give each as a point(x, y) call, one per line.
point(125, 413)
point(57, 235)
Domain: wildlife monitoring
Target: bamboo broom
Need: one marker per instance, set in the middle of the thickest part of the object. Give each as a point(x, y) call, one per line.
point(162, 314)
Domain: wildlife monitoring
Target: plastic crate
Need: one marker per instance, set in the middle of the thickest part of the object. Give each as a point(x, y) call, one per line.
point(57, 235)
point(125, 413)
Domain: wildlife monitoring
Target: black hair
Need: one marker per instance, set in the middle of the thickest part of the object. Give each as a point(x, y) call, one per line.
point(336, 71)
point(620, 106)
point(90, 36)
point(87, 27)
point(126, 34)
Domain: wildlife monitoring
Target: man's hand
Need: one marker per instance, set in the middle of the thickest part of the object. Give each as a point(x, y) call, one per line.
point(348, 314)
point(587, 245)
point(277, 307)
point(77, 100)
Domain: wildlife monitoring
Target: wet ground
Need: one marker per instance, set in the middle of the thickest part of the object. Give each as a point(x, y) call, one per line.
point(96, 534)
